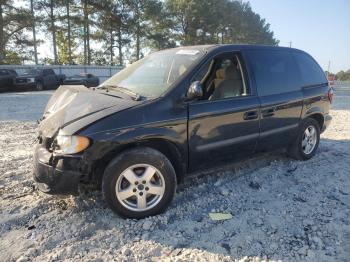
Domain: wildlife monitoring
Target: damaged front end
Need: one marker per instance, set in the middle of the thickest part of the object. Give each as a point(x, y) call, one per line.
point(59, 162)
point(59, 166)
point(57, 174)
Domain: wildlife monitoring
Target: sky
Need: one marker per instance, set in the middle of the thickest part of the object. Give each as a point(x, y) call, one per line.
point(319, 27)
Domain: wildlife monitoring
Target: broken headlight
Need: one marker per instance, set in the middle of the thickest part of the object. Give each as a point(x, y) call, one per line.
point(67, 144)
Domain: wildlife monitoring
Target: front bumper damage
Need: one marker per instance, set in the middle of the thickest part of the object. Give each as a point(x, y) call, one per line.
point(57, 174)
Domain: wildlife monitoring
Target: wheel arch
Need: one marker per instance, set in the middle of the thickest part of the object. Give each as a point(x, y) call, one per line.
point(318, 117)
point(166, 147)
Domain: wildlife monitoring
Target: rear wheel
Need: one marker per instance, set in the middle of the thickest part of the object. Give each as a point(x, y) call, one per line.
point(140, 182)
point(307, 141)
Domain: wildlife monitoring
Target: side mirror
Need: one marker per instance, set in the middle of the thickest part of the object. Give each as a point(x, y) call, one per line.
point(194, 91)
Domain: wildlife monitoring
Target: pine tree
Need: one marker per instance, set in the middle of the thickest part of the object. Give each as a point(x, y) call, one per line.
point(13, 22)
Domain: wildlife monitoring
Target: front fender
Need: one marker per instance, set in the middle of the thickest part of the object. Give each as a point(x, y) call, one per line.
point(113, 140)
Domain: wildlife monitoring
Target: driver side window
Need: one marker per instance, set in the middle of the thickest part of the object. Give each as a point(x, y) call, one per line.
point(221, 78)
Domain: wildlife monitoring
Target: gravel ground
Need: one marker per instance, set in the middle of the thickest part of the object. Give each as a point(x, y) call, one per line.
point(281, 209)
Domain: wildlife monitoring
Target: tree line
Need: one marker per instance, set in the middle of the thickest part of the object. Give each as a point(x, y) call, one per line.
point(343, 75)
point(115, 32)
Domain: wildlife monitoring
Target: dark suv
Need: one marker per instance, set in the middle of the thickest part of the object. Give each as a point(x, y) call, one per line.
point(39, 79)
point(7, 79)
point(175, 112)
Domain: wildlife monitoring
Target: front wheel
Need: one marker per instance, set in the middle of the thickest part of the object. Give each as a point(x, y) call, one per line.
point(139, 183)
point(39, 86)
point(308, 139)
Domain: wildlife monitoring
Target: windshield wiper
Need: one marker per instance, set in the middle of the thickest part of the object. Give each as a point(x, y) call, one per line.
point(125, 90)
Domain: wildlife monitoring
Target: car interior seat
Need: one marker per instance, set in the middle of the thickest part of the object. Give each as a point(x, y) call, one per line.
point(232, 84)
point(219, 77)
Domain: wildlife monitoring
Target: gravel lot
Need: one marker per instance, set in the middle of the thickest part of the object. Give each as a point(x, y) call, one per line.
point(282, 209)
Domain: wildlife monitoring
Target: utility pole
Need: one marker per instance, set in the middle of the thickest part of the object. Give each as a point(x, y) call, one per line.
point(34, 34)
point(329, 68)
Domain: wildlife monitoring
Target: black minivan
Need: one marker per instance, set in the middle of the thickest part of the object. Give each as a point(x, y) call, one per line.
point(175, 112)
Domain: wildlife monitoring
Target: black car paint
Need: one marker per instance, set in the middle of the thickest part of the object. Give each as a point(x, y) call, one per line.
point(193, 134)
point(7, 79)
point(48, 81)
point(88, 80)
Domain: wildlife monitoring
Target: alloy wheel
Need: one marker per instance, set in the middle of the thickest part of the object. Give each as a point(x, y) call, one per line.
point(140, 187)
point(309, 140)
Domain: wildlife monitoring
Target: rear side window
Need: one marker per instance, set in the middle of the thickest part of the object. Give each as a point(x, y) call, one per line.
point(310, 71)
point(275, 71)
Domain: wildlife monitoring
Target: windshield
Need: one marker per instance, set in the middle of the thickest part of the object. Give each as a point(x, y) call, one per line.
point(78, 76)
point(31, 72)
point(153, 75)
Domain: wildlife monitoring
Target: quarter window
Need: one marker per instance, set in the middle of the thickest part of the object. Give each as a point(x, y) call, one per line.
point(275, 72)
point(310, 71)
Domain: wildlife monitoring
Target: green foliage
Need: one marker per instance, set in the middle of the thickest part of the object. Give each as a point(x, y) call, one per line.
point(13, 22)
point(218, 21)
point(122, 31)
point(113, 29)
point(48, 61)
point(12, 58)
point(343, 76)
point(62, 45)
point(159, 33)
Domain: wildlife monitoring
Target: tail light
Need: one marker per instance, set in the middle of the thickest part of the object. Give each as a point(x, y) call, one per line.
point(330, 95)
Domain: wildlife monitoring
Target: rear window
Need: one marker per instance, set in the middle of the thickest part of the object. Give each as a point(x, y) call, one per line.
point(311, 72)
point(275, 71)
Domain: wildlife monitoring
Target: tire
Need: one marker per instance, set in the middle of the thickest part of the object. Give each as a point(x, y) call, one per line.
point(130, 197)
point(39, 86)
point(299, 149)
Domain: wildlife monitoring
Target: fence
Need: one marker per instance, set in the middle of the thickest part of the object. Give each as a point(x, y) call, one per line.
point(102, 72)
point(341, 84)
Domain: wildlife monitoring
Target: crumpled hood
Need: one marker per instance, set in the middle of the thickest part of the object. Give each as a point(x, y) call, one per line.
point(71, 103)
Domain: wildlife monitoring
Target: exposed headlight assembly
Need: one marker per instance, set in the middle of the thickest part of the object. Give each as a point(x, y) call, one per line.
point(30, 80)
point(66, 144)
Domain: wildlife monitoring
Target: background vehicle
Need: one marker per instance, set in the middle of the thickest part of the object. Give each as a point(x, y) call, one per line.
point(39, 79)
point(86, 79)
point(179, 111)
point(7, 79)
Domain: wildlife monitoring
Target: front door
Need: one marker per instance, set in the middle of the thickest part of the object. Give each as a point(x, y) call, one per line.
point(224, 125)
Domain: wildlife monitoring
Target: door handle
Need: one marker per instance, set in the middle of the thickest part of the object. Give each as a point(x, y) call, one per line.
point(250, 115)
point(268, 112)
